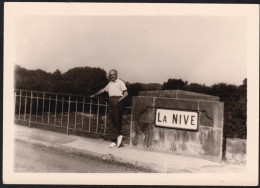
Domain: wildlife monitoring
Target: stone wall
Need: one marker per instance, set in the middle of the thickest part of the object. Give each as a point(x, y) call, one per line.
point(236, 150)
point(205, 142)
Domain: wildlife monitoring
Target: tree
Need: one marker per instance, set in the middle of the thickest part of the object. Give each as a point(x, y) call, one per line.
point(86, 80)
point(31, 79)
point(57, 73)
point(79, 80)
point(174, 84)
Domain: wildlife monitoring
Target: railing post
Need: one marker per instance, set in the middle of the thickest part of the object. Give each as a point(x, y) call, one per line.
point(89, 119)
point(56, 102)
point(97, 116)
point(105, 125)
point(76, 115)
point(68, 116)
point(131, 127)
point(14, 102)
point(49, 110)
point(25, 101)
point(100, 122)
point(83, 110)
point(43, 97)
point(30, 117)
point(62, 105)
point(20, 102)
point(37, 105)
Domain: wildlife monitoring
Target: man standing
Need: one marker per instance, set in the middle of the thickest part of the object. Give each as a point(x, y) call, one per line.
point(117, 91)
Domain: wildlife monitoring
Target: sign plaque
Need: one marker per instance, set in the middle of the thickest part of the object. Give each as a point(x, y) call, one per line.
point(176, 119)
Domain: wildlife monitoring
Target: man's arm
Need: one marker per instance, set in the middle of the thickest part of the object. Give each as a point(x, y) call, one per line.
point(125, 94)
point(98, 93)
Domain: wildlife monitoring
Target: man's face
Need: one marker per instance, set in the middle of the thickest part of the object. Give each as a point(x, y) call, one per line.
point(112, 75)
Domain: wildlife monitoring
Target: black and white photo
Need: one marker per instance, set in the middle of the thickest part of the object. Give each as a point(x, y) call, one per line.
point(94, 90)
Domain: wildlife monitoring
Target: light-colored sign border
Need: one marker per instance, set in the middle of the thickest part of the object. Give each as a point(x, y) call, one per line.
point(179, 128)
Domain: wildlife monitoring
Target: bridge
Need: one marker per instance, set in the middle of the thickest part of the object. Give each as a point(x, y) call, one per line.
point(85, 120)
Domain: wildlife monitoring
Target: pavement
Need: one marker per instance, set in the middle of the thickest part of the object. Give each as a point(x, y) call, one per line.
point(146, 160)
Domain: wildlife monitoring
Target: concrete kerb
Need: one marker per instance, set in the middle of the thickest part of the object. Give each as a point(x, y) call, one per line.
point(144, 160)
point(110, 158)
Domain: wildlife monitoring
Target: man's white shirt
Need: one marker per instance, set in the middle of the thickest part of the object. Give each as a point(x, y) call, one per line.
point(115, 88)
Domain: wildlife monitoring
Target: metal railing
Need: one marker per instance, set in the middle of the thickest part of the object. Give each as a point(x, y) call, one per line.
point(65, 111)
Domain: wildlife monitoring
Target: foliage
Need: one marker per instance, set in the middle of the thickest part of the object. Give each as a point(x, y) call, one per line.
point(133, 90)
point(87, 80)
point(80, 80)
point(174, 84)
point(234, 98)
point(31, 79)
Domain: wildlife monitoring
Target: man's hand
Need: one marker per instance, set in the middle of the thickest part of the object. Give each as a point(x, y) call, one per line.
point(123, 97)
point(98, 93)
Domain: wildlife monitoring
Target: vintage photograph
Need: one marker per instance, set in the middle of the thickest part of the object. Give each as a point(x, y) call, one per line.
point(151, 89)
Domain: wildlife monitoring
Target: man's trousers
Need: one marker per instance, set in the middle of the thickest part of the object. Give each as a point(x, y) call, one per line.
point(115, 113)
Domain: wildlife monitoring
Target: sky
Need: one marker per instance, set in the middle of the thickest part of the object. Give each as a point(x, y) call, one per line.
point(147, 49)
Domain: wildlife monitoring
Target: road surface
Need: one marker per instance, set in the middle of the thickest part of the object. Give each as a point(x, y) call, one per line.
point(29, 158)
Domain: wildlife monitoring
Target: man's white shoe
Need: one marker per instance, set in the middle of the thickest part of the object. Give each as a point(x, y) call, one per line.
point(112, 144)
point(119, 140)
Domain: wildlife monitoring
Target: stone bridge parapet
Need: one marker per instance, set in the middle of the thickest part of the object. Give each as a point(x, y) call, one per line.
point(163, 121)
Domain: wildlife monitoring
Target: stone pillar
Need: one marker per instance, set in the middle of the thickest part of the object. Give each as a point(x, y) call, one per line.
point(236, 150)
point(205, 141)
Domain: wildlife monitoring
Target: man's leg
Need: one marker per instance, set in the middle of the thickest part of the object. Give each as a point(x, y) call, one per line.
point(117, 116)
point(112, 129)
point(117, 112)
